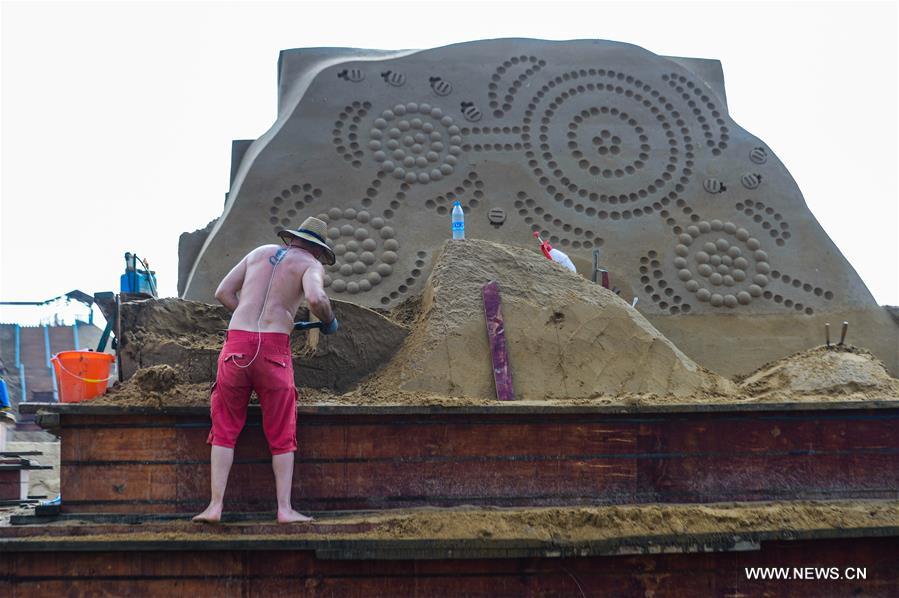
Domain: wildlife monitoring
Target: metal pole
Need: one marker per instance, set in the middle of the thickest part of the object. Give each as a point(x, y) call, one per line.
point(47, 355)
point(49, 364)
point(22, 380)
point(18, 346)
point(19, 366)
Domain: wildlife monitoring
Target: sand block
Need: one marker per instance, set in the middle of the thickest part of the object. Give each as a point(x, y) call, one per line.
point(567, 336)
point(188, 335)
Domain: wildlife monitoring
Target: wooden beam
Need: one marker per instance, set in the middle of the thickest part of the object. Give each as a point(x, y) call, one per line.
point(496, 336)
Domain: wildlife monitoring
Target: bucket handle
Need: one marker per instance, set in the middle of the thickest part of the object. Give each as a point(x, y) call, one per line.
point(76, 376)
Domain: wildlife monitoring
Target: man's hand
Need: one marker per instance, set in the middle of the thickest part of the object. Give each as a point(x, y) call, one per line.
point(331, 327)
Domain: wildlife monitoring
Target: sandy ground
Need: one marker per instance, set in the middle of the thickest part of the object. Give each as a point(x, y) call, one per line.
point(573, 524)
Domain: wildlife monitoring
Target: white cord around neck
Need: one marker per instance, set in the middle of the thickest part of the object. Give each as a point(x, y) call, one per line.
point(274, 260)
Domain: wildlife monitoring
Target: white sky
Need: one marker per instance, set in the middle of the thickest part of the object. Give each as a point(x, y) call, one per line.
point(117, 118)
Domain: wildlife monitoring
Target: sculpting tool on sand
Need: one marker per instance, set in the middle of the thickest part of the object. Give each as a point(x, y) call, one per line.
point(843, 333)
point(827, 334)
point(600, 274)
point(313, 327)
point(496, 336)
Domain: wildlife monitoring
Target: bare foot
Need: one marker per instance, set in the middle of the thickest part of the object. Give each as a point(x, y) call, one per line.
point(212, 514)
point(292, 516)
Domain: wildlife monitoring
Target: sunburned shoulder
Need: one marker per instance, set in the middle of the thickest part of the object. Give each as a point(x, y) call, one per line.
point(262, 250)
point(266, 248)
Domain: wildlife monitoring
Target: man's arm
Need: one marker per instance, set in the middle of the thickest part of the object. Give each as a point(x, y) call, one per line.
point(314, 289)
point(231, 284)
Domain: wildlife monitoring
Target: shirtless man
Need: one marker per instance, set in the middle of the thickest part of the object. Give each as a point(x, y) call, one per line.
point(264, 291)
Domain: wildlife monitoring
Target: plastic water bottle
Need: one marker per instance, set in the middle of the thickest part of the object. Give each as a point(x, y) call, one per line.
point(458, 221)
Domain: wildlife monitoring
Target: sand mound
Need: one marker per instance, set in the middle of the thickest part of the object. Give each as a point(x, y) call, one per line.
point(567, 337)
point(156, 386)
point(833, 371)
point(188, 335)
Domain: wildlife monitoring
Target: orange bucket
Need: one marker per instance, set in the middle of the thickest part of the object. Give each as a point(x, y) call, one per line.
point(81, 375)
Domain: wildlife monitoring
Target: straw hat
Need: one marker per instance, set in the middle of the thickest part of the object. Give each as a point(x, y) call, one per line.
point(314, 231)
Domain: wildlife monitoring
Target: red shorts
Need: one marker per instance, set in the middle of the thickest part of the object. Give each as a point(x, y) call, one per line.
point(270, 375)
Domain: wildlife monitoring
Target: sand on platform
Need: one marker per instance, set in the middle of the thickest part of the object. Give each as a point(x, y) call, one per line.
point(570, 342)
point(818, 375)
point(568, 524)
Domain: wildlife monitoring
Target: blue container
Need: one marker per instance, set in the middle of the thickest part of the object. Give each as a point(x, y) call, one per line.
point(4, 396)
point(138, 281)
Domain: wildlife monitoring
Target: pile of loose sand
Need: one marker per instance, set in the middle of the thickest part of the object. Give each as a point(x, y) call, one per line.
point(165, 386)
point(838, 372)
point(156, 386)
point(567, 337)
point(592, 523)
point(188, 335)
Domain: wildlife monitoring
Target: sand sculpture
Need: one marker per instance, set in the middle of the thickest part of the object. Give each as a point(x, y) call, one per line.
point(597, 145)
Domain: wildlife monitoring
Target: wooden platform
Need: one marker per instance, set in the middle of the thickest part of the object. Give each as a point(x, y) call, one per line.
point(145, 558)
point(141, 460)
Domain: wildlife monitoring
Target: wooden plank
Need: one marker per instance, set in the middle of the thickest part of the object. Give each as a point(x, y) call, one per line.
point(362, 461)
point(463, 437)
point(117, 483)
point(117, 444)
point(845, 407)
point(769, 432)
point(240, 572)
point(496, 336)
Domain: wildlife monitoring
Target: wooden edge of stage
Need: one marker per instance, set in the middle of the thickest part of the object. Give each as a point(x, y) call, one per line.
point(500, 408)
point(429, 549)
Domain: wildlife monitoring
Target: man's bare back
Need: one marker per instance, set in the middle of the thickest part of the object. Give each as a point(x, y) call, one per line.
point(298, 275)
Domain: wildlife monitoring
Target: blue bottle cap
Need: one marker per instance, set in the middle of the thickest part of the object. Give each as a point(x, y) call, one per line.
point(457, 203)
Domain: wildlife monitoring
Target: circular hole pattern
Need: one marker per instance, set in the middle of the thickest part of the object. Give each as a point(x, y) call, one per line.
point(698, 98)
point(345, 135)
point(721, 264)
point(365, 246)
point(415, 143)
point(769, 219)
point(289, 203)
point(611, 144)
point(525, 66)
point(536, 216)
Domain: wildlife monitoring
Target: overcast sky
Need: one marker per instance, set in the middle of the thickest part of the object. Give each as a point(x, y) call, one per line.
point(117, 118)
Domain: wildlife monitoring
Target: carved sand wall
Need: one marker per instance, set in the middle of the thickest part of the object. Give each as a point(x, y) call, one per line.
point(594, 144)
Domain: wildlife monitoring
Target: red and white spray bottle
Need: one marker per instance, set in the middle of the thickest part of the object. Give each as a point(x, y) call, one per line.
point(554, 254)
